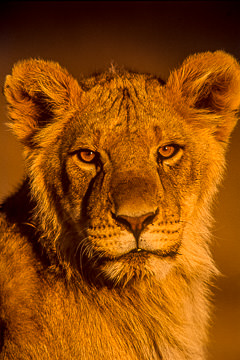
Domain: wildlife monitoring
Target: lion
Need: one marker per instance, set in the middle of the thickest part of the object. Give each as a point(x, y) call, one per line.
point(105, 247)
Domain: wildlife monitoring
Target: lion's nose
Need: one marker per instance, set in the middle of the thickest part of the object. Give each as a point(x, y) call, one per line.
point(136, 223)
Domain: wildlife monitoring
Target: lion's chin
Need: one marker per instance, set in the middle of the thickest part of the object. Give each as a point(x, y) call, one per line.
point(134, 267)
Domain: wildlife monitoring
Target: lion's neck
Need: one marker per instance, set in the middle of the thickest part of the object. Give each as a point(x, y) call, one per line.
point(162, 321)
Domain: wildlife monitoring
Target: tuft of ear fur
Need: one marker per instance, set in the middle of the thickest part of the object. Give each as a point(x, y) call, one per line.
point(36, 92)
point(209, 83)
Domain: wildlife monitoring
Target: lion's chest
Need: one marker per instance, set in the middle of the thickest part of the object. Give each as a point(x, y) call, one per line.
point(77, 327)
point(66, 327)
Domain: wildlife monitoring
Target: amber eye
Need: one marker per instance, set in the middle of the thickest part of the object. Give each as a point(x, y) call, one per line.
point(87, 156)
point(168, 151)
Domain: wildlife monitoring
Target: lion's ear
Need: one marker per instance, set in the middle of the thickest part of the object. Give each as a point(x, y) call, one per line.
point(210, 82)
point(37, 92)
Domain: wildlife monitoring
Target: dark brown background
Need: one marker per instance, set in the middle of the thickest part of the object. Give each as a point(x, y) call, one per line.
point(148, 37)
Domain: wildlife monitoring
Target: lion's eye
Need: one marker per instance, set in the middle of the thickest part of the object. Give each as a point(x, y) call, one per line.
point(168, 151)
point(87, 156)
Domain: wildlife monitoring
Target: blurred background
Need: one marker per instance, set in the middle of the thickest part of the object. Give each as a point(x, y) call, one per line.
point(146, 36)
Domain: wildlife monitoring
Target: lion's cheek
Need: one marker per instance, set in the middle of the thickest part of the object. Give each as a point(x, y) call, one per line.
point(188, 206)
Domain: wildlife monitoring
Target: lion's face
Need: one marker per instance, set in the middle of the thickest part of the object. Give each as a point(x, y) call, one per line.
point(123, 169)
point(129, 179)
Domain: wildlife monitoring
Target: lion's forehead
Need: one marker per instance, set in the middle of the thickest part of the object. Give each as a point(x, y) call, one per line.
point(128, 108)
point(123, 100)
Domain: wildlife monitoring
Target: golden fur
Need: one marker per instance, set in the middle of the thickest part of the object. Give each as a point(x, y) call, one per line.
point(105, 247)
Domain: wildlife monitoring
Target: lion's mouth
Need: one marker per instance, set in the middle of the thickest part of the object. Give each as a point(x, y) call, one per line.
point(142, 254)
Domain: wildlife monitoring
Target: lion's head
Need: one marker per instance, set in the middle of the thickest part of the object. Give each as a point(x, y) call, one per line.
point(123, 168)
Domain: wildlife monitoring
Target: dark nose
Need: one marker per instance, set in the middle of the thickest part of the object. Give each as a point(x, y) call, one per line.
point(136, 224)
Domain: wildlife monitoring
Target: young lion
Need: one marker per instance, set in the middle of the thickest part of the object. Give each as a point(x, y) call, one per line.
point(105, 247)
